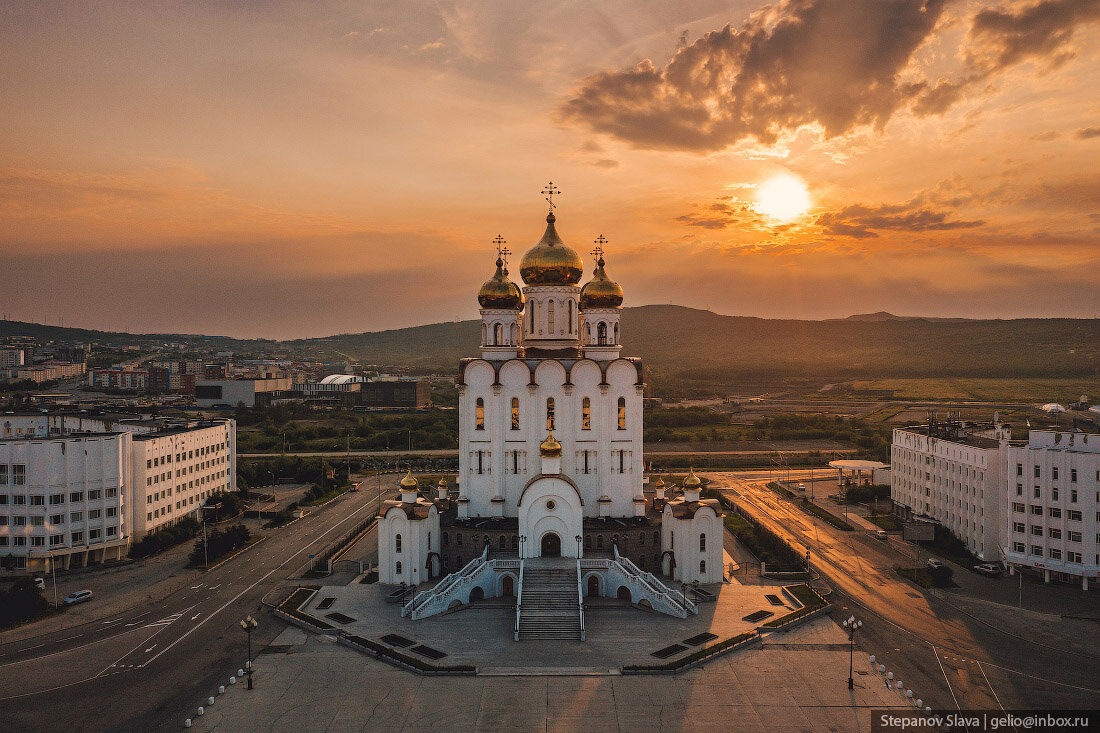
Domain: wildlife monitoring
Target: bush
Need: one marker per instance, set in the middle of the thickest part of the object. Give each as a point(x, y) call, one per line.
point(231, 504)
point(767, 546)
point(219, 543)
point(941, 576)
point(164, 538)
point(21, 602)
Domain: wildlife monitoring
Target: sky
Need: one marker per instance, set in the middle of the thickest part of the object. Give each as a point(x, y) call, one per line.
point(297, 169)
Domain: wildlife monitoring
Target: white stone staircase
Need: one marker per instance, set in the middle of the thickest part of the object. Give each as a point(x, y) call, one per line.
point(549, 605)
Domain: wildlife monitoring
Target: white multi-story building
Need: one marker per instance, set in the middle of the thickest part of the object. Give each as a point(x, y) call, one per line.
point(1033, 504)
point(1053, 504)
point(75, 489)
point(951, 473)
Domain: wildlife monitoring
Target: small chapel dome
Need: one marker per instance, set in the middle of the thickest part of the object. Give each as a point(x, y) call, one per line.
point(660, 483)
point(500, 292)
point(550, 448)
point(443, 482)
point(601, 291)
point(409, 482)
point(551, 261)
point(692, 481)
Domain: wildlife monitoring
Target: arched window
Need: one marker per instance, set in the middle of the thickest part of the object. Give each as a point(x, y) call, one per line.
point(484, 334)
point(446, 539)
point(599, 542)
point(703, 542)
point(515, 413)
point(601, 334)
point(588, 338)
point(570, 316)
point(512, 330)
point(397, 543)
point(616, 333)
point(515, 542)
point(641, 538)
point(586, 414)
point(702, 566)
point(656, 538)
point(397, 567)
point(622, 413)
point(531, 315)
point(479, 414)
point(502, 542)
point(458, 540)
point(549, 413)
point(550, 317)
point(588, 542)
point(498, 334)
point(429, 542)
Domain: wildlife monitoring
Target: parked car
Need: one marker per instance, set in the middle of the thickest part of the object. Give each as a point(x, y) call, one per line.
point(78, 596)
point(881, 535)
point(989, 569)
point(802, 487)
point(933, 563)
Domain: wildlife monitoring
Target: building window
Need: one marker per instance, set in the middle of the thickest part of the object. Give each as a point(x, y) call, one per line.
point(1055, 512)
point(1055, 554)
point(397, 543)
point(622, 413)
point(479, 414)
point(1054, 473)
point(1073, 515)
point(458, 540)
point(1073, 496)
point(515, 413)
point(570, 316)
point(1018, 527)
point(1054, 493)
point(397, 567)
point(498, 335)
point(503, 544)
point(1036, 493)
point(57, 498)
point(1037, 473)
point(1036, 530)
point(1054, 534)
point(446, 539)
point(601, 334)
point(702, 566)
point(1017, 506)
point(1036, 510)
point(18, 474)
point(599, 542)
point(1074, 557)
point(702, 543)
point(1037, 550)
point(38, 500)
point(1019, 469)
point(1073, 536)
point(1019, 547)
point(549, 413)
point(550, 317)
point(3, 473)
point(1073, 475)
point(586, 414)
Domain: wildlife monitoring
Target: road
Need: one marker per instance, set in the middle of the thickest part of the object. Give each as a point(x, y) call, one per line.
point(148, 667)
point(954, 650)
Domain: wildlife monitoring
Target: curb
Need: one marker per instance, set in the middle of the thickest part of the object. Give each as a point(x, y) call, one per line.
point(224, 560)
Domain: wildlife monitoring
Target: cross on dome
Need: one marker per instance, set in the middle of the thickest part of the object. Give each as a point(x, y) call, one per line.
point(502, 251)
point(598, 251)
point(550, 192)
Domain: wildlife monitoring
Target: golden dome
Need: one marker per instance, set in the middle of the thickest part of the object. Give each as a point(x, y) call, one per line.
point(409, 482)
point(550, 448)
point(499, 291)
point(551, 261)
point(660, 483)
point(443, 482)
point(692, 481)
point(601, 291)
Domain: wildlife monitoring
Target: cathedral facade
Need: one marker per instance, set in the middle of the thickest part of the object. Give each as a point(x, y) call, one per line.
point(550, 441)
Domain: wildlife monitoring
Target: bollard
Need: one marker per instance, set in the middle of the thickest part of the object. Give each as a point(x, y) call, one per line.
point(927, 710)
point(240, 673)
point(210, 700)
point(232, 680)
point(187, 723)
point(872, 660)
point(201, 711)
point(909, 694)
point(881, 668)
point(221, 689)
point(899, 685)
point(920, 703)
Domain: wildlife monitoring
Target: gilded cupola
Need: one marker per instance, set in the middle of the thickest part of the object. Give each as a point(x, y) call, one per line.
point(551, 261)
point(601, 291)
point(500, 292)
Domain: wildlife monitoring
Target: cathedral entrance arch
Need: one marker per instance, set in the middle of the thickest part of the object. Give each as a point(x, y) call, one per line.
point(593, 586)
point(507, 586)
point(551, 545)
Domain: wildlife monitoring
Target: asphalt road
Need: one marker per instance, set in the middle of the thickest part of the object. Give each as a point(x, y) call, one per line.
point(148, 667)
point(953, 650)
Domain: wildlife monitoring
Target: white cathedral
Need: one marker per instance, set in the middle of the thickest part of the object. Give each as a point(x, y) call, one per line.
point(550, 453)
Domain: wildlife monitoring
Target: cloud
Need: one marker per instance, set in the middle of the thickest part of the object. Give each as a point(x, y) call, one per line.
point(1000, 38)
point(863, 222)
point(834, 63)
point(718, 215)
point(1087, 133)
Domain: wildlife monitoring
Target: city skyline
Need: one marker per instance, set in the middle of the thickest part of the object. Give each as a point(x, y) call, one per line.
point(295, 170)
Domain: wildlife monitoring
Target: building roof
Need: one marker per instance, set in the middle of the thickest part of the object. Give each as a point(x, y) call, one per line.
point(340, 379)
point(853, 465)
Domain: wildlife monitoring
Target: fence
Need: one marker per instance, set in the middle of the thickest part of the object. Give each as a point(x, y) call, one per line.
point(322, 562)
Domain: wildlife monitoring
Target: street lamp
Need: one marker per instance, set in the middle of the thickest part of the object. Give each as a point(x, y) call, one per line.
point(522, 545)
point(851, 624)
point(248, 624)
point(578, 539)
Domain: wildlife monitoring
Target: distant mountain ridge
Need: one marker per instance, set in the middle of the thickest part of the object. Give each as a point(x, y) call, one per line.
point(886, 316)
point(694, 348)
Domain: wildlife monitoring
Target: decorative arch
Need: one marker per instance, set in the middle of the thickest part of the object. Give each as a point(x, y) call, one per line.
point(498, 334)
point(515, 373)
point(593, 582)
point(559, 477)
point(550, 372)
point(585, 373)
point(628, 369)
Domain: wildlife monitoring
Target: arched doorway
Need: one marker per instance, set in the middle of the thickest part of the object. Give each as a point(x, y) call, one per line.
point(623, 594)
point(551, 545)
point(593, 586)
point(507, 587)
point(477, 594)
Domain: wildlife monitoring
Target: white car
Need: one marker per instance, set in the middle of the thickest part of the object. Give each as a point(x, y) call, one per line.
point(76, 597)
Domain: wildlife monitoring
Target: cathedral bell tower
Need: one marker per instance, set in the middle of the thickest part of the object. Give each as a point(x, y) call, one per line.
point(501, 311)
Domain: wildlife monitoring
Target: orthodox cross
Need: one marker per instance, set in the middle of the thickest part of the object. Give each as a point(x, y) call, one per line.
point(600, 241)
point(549, 192)
point(502, 251)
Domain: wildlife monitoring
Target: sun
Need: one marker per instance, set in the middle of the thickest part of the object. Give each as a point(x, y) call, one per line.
point(783, 197)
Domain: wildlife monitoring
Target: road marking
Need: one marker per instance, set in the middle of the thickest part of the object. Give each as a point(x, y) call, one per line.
point(934, 651)
point(151, 648)
point(215, 587)
point(113, 621)
point(27, 649)
point(62, 651)
point(196, 587)
point(67, 638)
point(195, 616)
point(995, 697)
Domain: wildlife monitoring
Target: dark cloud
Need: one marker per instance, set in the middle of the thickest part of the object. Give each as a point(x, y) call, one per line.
point(719, 215)
point(863, 222)
point(831, 62)
point(1000, 38)
point(1087, 133)
point(606, 163)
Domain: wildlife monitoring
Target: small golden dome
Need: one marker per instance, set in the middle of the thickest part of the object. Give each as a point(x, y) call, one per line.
point(409, 482)
point(601, 291)
point(692, 481)
point(443, 482)
point(660, 483)
point(550, 448)
point(551, 261)
point(500, 292)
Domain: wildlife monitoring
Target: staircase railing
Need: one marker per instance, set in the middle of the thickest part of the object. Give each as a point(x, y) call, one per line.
point(660, 597)
point(580, 598)
point(519, 597)
point(433, 601)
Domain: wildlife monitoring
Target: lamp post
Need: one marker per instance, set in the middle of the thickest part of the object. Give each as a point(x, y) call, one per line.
point(851, 624)
point(248, 624)
point(522, 545)
point(578, 539)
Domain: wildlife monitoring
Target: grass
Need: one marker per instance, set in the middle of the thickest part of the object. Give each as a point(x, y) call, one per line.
point(765, 545)
point(296, 599)
point(984, 389)
point(810, 508)
point(385, 652)
point(781, 490)
point(809, 598)
point(885, 521)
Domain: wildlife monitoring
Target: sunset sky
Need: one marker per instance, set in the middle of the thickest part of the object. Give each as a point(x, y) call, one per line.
point(285, 169)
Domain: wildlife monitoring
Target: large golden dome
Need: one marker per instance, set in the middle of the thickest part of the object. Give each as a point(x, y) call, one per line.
point(551, 261)
point(601, 291)
point(500, 292)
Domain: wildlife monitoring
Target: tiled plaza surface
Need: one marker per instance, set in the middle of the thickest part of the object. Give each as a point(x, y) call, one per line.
point(794, 682)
